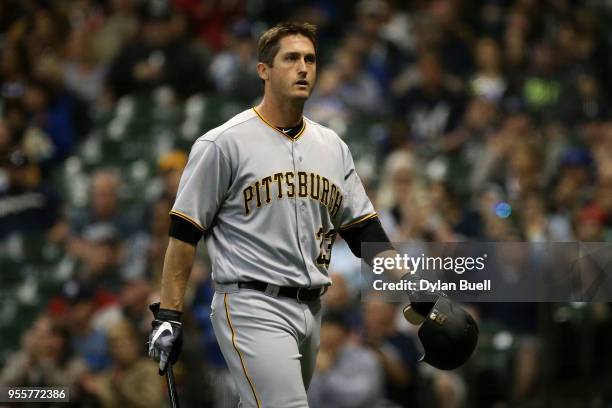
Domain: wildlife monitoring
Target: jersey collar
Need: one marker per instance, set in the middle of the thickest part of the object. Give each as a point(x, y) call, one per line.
point(294, 138)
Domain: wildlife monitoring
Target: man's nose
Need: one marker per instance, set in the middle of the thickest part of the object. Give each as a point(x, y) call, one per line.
point(302, 66)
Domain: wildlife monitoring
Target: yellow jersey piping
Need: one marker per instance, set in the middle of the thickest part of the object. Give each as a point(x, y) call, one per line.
point(359, 220)
point(276, 129)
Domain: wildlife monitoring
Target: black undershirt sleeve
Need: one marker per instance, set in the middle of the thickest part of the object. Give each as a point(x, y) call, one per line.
point(367, 231)
point(183, 230)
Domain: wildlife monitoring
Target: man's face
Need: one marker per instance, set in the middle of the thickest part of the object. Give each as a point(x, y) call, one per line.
point(294, 68)
point(104, 196)
point(377, 316)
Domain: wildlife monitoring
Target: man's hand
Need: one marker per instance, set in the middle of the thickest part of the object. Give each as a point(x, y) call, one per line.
point(166, 338)
point(421, 302)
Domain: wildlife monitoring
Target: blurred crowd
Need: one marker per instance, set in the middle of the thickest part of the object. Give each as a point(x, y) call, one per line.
point(484, 120)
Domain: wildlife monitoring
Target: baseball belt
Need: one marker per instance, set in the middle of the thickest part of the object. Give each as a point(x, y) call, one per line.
point(299, 294)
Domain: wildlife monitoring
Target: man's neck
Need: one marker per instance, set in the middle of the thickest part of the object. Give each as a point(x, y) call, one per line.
point(279, 114)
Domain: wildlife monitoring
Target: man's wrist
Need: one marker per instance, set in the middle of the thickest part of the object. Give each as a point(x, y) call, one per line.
point(169, 315)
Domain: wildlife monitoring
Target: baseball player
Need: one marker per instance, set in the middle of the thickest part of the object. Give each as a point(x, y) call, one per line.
point(268, 190)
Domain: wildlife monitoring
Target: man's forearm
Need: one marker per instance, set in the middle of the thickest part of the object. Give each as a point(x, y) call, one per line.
point(177, 267)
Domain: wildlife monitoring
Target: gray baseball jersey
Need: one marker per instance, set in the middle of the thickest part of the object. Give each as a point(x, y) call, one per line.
point(271, 205)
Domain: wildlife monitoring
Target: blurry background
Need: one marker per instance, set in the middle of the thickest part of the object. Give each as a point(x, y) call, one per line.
point(468, 120)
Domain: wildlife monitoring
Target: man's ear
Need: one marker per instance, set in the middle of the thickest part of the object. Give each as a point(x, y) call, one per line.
point(263, 71)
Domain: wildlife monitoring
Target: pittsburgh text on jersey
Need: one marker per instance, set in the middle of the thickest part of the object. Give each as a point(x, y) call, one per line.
point(289, 185)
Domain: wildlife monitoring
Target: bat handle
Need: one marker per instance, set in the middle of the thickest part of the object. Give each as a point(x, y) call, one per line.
point(174, 403)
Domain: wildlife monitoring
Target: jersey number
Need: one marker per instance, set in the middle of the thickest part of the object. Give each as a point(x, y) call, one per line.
point(327, 240)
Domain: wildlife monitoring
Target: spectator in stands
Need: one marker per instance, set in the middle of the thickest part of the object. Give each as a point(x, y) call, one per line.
point(119, 27)
point(454, 34)
point(325, 105)
point(524, 173)
point(233, 70)
point(578, 43)
point(98, 232)
point(7, 139)
point(347, 376)
point(357, 89)
point(571, 189)
point(51, 110)
point(460, 217)
point(602, 199)
point(396, 352)
point(380, 58)
point(467, 142)
point(542, 88)
point(104, 204)
point(340, 300)
point(432, 107)
point(488, 81)
point(85, 312)
point(134, 303)
point(519, 318)
point(171, 167)
point(210, 20)
point(495, 160)
point(16, 117)
point(400, 180)
point(45, 359)
point(514, 44)
point(144, 257)
point(586, 101)
point(83, 72)
point(132, 380)
point(14, 71)
point(145, 250)
point(26, 204)
point(534, 221)
point(410, 213)
point(590, 224)
point(600, 151)
point(156, 58)
point(41, 32)
point(101, 256)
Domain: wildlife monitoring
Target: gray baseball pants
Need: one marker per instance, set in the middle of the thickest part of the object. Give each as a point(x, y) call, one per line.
point(269, 343)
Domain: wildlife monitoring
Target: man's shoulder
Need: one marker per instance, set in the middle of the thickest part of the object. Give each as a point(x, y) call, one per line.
point(324, 132)
point(319, 128)
point(232, 127)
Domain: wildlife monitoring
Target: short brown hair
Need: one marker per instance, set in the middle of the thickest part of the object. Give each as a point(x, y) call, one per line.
point(268, 44)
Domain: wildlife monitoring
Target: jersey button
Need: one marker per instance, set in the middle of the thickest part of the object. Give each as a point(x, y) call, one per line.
point(300, 159)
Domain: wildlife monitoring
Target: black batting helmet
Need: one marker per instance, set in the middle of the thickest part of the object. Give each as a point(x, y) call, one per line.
point(449, 335)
